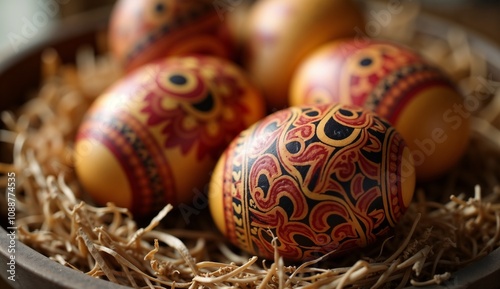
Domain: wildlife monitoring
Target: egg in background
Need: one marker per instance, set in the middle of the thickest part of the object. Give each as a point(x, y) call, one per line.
point(154, 137)
point(321, 179)
point(146, 30)
point(400, 86)
point(280, 33)
point(236, 18)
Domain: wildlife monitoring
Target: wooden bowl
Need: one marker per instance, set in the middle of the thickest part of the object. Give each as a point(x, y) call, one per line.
point(20, 74)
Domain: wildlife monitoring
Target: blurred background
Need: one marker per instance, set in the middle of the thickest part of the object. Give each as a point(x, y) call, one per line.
point(482, 16)
point(22, 22)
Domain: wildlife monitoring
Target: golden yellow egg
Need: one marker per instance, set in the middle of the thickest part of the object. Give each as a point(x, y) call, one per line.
point(146, 30)
point(415, 96)
point(282, 32)
point(154, 137)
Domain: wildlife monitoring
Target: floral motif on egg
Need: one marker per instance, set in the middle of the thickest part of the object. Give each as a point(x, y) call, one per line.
point(182, 108)
point(320, 179)
point(203, 107)
point(379, 76)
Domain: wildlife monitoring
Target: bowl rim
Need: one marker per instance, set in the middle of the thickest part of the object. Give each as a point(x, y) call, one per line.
point(56, 275)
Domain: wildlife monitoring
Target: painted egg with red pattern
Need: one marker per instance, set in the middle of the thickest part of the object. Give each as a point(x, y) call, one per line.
point(415, 96)
point(145, 30)
point(320, 179)
point(154, 137)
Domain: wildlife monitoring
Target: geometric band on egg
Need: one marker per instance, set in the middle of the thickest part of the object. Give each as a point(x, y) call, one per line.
point(139, 155)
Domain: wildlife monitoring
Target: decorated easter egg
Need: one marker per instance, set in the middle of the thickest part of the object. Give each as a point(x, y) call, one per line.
point(154, 137)
point(280, 33)
point(142, 31)
point(416, 97)
point(324, 178)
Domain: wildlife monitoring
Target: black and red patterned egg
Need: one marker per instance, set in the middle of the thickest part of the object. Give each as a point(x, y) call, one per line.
point(154, 137)
point(416, 97)
point(321, 179)
point(145, 30)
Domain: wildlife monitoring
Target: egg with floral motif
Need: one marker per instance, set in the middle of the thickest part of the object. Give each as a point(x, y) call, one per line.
point(145, 30)
point(154, 137)
point(321, 179)
point(414, 95)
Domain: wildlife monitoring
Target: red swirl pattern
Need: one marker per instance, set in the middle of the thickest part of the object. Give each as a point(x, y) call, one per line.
point(320, 179)
point(165, 125)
